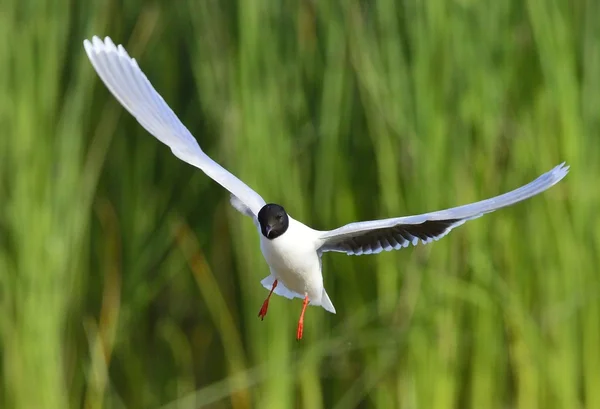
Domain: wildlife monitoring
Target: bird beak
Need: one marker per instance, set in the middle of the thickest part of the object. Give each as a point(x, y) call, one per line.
point(268, 229)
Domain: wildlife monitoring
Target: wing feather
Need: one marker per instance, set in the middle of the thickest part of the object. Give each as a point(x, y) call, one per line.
point(371, 237)
point(130, 86)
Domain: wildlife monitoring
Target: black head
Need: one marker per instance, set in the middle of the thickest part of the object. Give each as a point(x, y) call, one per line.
point(273, 220)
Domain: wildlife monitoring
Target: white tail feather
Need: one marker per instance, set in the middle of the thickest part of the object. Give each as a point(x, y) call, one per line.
point(283, 291)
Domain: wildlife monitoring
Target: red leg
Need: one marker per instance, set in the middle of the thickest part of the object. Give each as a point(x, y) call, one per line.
point(263, 310)
point(301, 320)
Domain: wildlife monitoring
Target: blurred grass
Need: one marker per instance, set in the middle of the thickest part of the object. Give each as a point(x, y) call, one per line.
point(127, 280)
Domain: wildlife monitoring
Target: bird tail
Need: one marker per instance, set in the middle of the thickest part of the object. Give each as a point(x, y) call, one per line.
point(326, 302)
point(283, 291)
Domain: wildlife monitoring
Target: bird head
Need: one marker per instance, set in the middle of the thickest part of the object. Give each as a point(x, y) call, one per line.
point(273, 220)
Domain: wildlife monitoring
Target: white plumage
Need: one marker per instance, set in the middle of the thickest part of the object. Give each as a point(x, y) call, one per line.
point(292, 249)
point(293, 259)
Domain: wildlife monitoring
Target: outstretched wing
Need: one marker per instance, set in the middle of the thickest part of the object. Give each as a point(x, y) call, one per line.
point(372, 237)
point(126, 81)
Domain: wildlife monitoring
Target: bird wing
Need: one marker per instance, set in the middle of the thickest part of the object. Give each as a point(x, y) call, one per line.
point(126, 81)
point(371, 237)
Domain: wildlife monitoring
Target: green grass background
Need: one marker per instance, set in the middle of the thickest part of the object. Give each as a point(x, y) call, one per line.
point(127, 280)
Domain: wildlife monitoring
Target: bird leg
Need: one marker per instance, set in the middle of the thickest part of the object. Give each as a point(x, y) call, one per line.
point(263, 310)
point(301, 320)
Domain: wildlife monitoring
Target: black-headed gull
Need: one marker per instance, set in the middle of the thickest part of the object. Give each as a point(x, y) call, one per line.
point(292, 249)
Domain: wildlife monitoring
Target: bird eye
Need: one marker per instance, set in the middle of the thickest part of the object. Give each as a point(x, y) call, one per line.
point(279, 217)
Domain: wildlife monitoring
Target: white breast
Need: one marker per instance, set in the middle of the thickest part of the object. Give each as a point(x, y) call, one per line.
point(294, 260)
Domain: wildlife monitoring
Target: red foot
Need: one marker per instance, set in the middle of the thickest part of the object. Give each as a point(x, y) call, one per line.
point(301, 320)
point(263, 310)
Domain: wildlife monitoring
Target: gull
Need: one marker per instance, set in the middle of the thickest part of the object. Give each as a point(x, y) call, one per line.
point(292, 250)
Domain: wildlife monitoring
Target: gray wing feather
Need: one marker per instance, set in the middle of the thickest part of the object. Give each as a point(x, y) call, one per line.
point(371, 237)
point(126, 81)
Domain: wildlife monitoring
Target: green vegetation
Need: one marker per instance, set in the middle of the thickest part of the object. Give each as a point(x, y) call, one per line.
point(127, 280)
